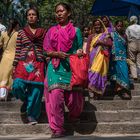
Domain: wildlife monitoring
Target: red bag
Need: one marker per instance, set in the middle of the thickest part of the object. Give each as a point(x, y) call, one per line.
point(79, 67)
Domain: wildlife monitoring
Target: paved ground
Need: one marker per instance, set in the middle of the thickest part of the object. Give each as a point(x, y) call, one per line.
point(73, 138)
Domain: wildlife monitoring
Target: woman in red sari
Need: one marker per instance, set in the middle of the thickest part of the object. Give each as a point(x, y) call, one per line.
point(29, 66)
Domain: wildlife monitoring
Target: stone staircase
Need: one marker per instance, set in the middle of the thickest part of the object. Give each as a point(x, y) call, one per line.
point(110, 115)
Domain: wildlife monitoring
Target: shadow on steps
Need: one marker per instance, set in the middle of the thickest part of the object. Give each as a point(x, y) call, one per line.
point(82, 126)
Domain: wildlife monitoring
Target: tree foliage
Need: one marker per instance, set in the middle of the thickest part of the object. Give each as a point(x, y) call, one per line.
point(80, 11)
point(6, 9)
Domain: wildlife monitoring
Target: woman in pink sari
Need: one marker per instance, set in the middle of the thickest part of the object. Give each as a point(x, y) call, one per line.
point(61, 41)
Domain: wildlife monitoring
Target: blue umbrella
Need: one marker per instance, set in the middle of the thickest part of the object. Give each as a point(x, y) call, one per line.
point(116, 7)
point(136, 2)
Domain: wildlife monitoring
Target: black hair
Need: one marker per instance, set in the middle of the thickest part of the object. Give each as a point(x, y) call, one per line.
point(104, 17)
point(33, 8)
point(85, 27)
point(95, 20)
point(116, 22)
point(1, 16)
point(65, 5)
point(12, 25)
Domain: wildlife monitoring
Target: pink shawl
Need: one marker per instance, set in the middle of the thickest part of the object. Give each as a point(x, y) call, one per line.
point(59, 39)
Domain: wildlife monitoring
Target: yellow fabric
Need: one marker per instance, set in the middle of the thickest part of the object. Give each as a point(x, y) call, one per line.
point(7, 59)
point(104, 28)
point(94, 40)
point(100, 63)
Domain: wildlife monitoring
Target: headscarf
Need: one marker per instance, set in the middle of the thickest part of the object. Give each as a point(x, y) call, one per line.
point(104, 31)
point(134, 19)
point(111, 27)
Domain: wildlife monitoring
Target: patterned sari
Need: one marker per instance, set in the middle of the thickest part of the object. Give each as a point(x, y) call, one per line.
point(99, 63)
point(119, 68)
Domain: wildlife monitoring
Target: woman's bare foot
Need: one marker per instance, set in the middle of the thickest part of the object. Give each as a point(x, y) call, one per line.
point(126, 96)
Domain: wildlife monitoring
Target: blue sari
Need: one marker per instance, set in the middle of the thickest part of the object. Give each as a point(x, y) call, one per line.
point(119, 68)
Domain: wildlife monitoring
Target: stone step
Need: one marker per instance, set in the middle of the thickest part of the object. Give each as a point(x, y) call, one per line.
point(91, 104)
point(135, 92)
point(81, 128)
point(110, 93)
point(111, 116)
point(135, 86)
point(86, 116)
point(112, 104)
point(116, 97)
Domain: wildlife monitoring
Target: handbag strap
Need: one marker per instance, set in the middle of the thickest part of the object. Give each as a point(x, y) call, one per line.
point(8, 41)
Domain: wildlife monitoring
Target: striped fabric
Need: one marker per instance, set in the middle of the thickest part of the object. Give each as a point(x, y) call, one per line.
point(23, 45)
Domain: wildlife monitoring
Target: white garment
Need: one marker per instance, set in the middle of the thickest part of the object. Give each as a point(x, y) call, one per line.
point(3, 92)
point(133, 32)
point(2, 28)
point(134, 19)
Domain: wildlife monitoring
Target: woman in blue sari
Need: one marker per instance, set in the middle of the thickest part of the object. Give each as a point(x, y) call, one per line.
point(119, 68)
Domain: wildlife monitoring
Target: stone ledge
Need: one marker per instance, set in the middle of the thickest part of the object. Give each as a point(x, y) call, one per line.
point(84, 128)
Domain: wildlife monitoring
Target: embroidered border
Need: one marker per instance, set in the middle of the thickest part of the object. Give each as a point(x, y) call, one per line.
point(120, 82)
point(65, 87)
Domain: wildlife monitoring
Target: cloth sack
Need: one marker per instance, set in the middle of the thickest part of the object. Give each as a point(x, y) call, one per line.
point(79, 67)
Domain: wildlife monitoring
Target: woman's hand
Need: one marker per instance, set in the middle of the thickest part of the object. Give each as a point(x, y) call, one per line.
point(62, 55)
point(100, 42)
point(79, 52)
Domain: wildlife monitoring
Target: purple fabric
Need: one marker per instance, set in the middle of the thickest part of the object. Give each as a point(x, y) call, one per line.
point(110, 29)
point(94, 50)
point(88, 43)
point(97, 81)
point(92, 55)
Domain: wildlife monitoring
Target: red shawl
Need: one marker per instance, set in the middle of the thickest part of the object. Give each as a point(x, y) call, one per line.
point(39, 34)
